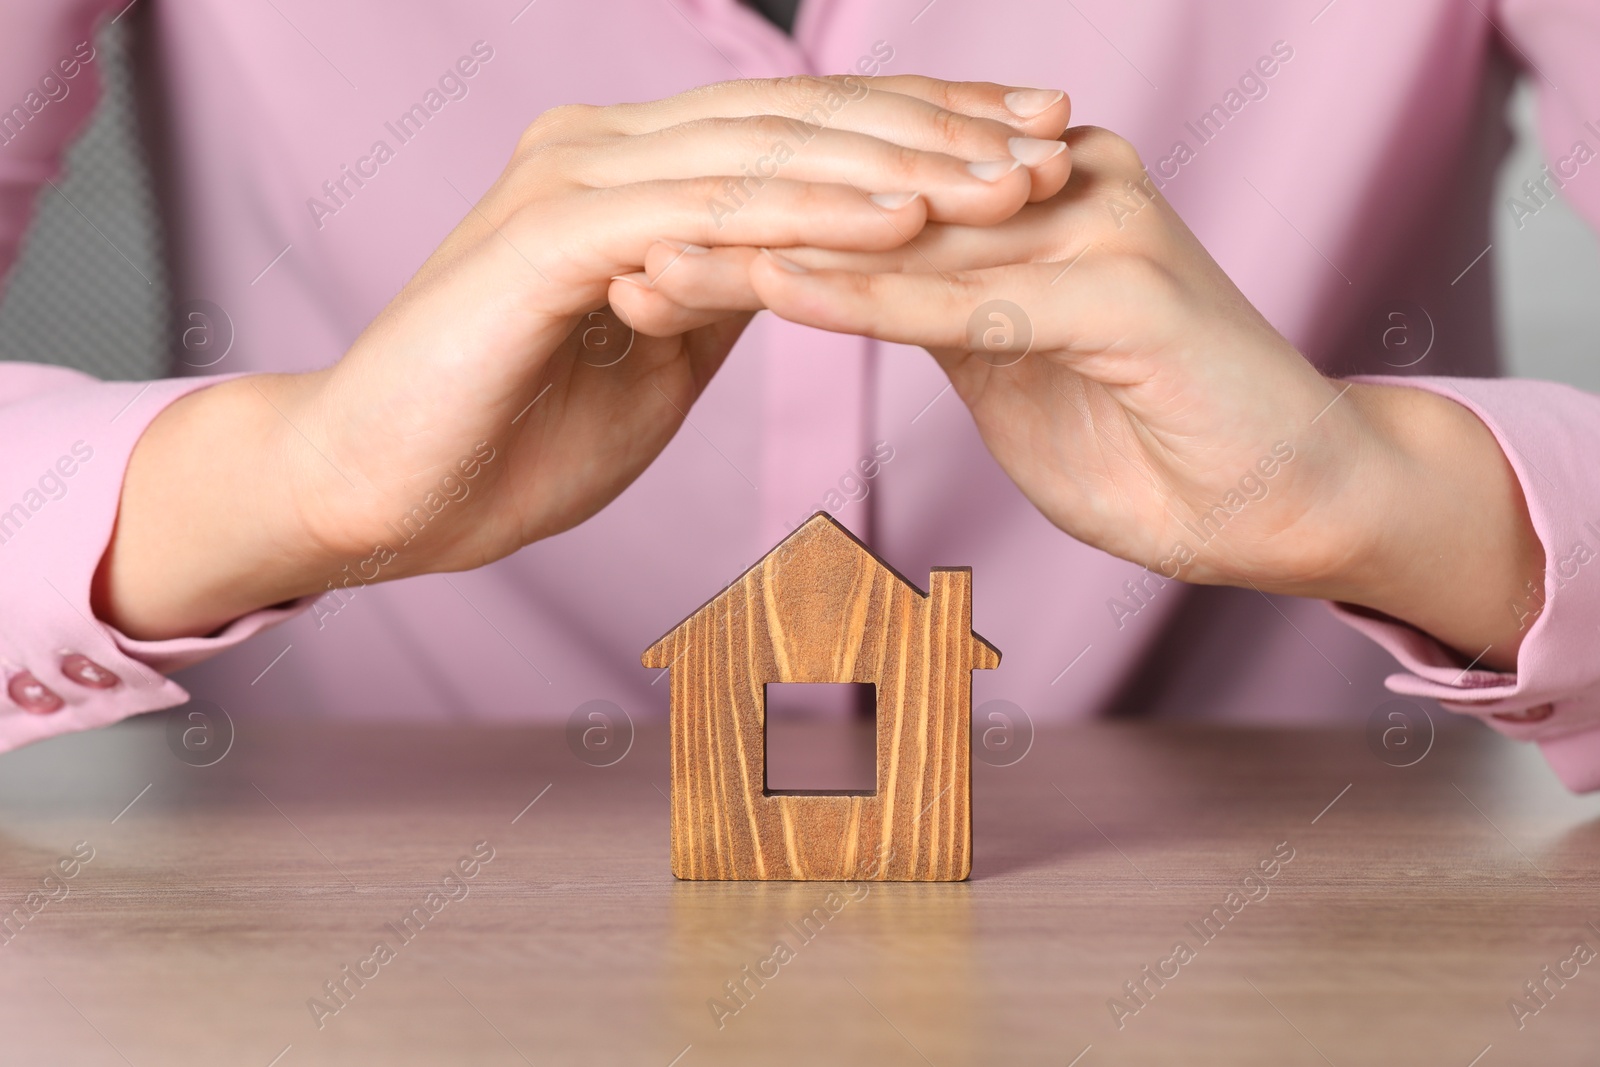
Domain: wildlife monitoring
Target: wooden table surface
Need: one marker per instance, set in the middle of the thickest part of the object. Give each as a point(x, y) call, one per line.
point(219, 900)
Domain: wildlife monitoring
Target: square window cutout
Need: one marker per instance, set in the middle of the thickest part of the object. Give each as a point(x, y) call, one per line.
point(822, 738)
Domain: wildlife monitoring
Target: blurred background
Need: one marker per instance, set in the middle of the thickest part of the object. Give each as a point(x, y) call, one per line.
point(70, 302)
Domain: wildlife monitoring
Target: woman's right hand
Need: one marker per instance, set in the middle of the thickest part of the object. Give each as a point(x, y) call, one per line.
point(260, 489)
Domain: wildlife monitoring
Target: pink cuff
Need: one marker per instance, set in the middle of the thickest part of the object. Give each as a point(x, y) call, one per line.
point(68, 438)
point(1550, 434)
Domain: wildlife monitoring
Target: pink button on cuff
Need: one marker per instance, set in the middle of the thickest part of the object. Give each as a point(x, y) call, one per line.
point(32, 695)
point(87, 672)
point(1535, 714)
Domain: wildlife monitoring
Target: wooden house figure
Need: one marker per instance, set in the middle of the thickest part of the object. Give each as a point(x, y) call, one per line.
point(821, 607)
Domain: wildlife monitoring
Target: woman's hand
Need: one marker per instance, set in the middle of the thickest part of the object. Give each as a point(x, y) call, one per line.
point(500, 379)
point(1140, 401)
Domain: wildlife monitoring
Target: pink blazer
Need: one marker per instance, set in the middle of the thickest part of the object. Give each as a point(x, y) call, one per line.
point(1337, 160)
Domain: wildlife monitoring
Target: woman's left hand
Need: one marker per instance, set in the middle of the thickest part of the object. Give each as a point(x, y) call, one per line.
point(1138, 399)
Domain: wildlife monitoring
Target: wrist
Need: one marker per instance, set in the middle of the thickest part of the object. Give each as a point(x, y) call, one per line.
point(1438, 530)
point(209, 525)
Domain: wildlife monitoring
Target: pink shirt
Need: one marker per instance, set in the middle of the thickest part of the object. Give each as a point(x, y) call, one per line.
point(1337, 162)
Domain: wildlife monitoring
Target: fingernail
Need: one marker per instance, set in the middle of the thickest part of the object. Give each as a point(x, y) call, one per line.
point(992, 170)
point(893, 201)
point(1026, 103)
point(787, 264)
point(639, 278)
point(1032, 151)
point(689, 249)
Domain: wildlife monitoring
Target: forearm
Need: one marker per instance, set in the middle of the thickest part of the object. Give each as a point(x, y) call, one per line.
point(208, 528)
point(1440, 532)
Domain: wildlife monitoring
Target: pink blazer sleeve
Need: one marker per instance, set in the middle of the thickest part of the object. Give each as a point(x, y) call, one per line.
point(1551, 435)
point(65, 438)
point(67, 441)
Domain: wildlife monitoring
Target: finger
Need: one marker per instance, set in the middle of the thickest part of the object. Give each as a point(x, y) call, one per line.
point(753, 150)
point(1032, 112)
point(648, 312)
point(971, 120)
point(719, 277)
point(606, 232)
point(1036, 234)
point(1037, 114)
point(714, 278)
point(917, 123)
point(844, 103)
point(781, 213)
point(1097, 202)
point(847, 103)
point(695, 277)
point(953, 313)
point(1107, 190)
point(1042, 113)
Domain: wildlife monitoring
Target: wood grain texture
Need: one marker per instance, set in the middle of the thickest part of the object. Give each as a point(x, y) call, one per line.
point(224, 897)
point(822, 608)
